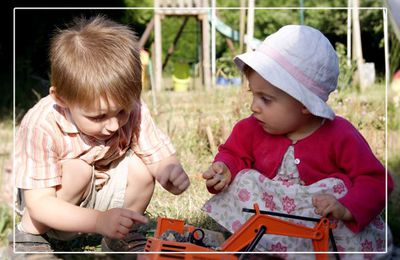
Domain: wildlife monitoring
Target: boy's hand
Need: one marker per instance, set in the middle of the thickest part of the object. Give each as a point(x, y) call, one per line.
point(175, 179)
point(327, 204)
point(115, 223)
point(218, 176)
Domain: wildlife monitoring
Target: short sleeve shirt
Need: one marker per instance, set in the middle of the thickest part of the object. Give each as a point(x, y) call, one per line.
point(47, 136)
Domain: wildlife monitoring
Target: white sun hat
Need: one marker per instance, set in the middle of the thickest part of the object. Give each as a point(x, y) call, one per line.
point(300, 61)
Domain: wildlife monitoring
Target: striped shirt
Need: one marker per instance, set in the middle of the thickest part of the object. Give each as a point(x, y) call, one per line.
point(47, 136)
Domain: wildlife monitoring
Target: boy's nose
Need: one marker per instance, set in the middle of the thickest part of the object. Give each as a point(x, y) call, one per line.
point(112, 125)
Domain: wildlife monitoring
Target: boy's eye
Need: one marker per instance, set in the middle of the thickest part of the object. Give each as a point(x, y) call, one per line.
point(97, 118)
point(121, 112)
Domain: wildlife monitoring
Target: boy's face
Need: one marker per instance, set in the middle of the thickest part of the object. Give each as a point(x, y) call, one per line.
point(99, 121)
point(277, 112)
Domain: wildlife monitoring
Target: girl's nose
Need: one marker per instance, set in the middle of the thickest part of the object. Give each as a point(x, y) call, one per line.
point(254, 108)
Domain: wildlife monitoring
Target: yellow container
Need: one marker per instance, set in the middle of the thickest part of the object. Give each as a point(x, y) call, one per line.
point(180, 85)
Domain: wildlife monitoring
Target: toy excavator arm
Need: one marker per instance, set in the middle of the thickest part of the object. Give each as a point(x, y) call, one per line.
point(242, 237)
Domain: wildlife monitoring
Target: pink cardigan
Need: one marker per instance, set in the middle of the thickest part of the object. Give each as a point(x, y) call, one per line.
point(336, 149)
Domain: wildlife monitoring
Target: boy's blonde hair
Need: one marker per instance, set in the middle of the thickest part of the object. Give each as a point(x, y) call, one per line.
point(96, 58)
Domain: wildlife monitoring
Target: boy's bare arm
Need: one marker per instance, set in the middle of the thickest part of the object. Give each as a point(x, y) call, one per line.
point(46, 208)
point(170, 174)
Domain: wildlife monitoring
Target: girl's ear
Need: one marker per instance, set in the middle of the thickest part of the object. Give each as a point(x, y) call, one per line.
point(57, 99)
point(305, 111)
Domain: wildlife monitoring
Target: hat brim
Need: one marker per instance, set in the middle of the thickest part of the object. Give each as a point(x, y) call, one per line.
point(273, 72)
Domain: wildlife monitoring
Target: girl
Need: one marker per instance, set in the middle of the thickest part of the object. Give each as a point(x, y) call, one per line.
point(293, 155)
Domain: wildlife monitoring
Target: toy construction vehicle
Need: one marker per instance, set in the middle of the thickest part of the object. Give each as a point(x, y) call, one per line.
point(170, 243)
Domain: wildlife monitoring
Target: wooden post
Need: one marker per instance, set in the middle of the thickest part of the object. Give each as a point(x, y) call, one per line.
point(213, 44)
point(242, 24)
point(348, 33)
point(158, 48)
point(206, 51)
point(357, 47)
point(250, 24)
point(242, 33)
point(146, 33)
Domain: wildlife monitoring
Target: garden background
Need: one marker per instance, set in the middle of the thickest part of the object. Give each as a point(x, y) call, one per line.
point(199, 120)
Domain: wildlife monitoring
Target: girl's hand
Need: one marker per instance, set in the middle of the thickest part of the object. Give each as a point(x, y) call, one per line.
point(115, 223)
point(217, 176)
point(327, 204)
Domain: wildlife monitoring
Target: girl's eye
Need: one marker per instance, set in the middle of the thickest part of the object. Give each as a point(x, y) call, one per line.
point(265, 99)
point(248, 90)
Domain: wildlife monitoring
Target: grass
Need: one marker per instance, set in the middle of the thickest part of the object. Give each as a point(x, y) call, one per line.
point(5, 150)
point(394, 201)
point(189, 118)
point(186, 119)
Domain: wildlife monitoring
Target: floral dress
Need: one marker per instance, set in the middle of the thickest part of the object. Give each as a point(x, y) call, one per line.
point(286, 193)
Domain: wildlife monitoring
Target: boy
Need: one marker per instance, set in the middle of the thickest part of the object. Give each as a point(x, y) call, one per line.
point(87, 155)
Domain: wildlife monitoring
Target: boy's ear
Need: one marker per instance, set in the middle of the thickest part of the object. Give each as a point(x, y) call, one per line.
point(57, 99)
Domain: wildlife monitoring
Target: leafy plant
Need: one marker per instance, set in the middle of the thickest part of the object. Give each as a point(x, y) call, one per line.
point(394, 57)
point(5, 222)
point(345, 80)
point(393, 116)
point(226, 67)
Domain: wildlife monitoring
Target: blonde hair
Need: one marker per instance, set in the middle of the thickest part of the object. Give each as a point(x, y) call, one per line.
point(97, 58)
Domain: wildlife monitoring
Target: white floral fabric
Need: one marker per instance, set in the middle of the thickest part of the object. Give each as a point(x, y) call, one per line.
point(286, 193)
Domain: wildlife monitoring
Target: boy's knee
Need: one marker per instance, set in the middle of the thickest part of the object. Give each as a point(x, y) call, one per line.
point(138, 171)
point(76, 178)
point(77, 170)
point(140, 185)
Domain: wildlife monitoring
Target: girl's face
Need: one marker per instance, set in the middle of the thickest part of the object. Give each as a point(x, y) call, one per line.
point(101, 120)
point(277, 112)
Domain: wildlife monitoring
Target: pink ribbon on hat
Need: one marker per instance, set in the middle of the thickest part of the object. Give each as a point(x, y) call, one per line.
point(294, 71)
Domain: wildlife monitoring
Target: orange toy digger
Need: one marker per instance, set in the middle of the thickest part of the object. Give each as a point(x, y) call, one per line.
point(243, 240)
